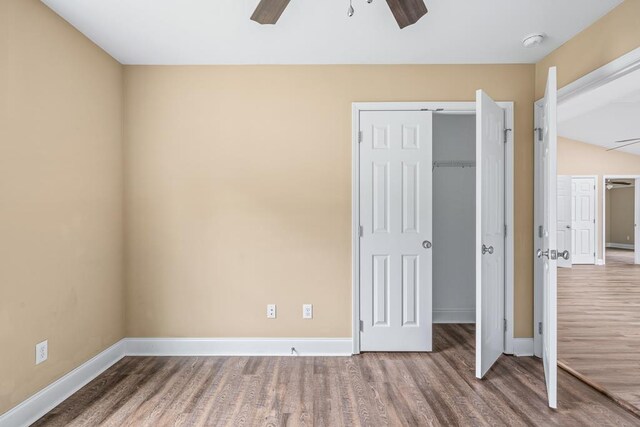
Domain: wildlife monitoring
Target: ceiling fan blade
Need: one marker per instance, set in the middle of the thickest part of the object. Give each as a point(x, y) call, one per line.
point(625, 145)
point(269, 11)
point(407, 12)
point(620, 182)
point(628, 140)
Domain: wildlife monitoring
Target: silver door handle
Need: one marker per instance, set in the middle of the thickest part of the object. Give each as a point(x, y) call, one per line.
point(486, 249)
point(553, 255)
point(426, 244)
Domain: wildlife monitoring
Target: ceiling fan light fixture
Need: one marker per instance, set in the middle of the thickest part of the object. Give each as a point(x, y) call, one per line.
point(533, 40)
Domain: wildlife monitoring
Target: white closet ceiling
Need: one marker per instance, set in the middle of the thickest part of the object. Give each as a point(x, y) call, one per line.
point(319, 31)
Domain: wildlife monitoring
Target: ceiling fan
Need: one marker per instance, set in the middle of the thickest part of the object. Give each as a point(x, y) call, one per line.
point(626, 142)
point(406, 12)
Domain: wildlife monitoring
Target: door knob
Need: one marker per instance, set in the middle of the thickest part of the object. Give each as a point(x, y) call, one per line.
point(486, 249)
point(568, 226)
point(564, 255)
point(540, 253)
point(426, 244)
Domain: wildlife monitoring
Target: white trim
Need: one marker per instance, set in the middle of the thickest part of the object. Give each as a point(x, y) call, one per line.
point(620, 246)
point(523, 346)
point(454, 316)
point(36, 406)
point(509, 188)
point(238, 346)
point(453, 108)
point(615, 69)
point(600, 262)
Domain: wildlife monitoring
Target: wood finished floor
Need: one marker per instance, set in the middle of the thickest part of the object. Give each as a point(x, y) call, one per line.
point(599, 323)
point(374, 389)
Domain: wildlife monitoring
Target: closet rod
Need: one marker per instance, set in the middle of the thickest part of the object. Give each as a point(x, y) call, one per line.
point(454, 164)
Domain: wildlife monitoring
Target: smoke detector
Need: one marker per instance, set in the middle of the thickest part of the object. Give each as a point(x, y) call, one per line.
point(533, 40)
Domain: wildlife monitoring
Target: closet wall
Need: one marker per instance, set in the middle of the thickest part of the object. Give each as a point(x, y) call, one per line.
point(454, 277)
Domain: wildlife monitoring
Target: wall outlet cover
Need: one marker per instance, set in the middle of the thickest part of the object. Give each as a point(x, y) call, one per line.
point(42, 352)
point(271, 311)
point(307, 311)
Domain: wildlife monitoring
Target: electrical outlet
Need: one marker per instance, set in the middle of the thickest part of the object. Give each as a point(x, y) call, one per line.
point(42, 352)
point(271, 311)
point(307, 311)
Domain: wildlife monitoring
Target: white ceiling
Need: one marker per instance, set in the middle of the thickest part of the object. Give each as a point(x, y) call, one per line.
point(319, 31)
point(607, 114)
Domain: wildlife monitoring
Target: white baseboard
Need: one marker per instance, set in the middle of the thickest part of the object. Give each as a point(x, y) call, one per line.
point(32, 409)
point(454, 316)
point(238, 346)
point(523, 346)
point(620, 246)
point(51, 396)
point(600, 262)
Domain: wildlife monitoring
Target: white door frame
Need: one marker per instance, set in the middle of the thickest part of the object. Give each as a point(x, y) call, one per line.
point(449, 108)
point(604, 213)
point(596, 216)
point(615, 69)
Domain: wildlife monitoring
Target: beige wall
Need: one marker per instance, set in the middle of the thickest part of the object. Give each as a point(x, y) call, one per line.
point(607, 219)
point(621, 212)
point(61, 190)
point(612, 36)
point(579, 158)
point(239, 190)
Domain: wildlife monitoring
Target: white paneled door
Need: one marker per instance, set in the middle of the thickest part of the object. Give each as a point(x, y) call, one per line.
point(490, 232)
point(584, 220)
point(548, 253)
point(396, 233)
point(565, 219)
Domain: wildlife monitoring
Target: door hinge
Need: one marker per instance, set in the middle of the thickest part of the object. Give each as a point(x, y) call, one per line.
point(505, 134)
point(540, 231)
point(505, 325)
point(540, 328)
point(359, 137)
point(538, 132)
point(362, 326)
point(361, 231)
point(505, 230)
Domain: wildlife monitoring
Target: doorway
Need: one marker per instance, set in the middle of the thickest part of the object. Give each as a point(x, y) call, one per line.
point(621, 219)
point(595, 302)
point(577, 219)
point(419, 279)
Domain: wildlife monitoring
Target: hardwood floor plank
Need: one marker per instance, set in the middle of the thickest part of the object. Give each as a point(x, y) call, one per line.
point(372, 389)
point(599, 324)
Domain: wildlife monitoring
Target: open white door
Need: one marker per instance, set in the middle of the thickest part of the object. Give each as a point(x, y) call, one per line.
point(396, 234)
point(548, 253)
point(565, 216)
point(490, 232)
